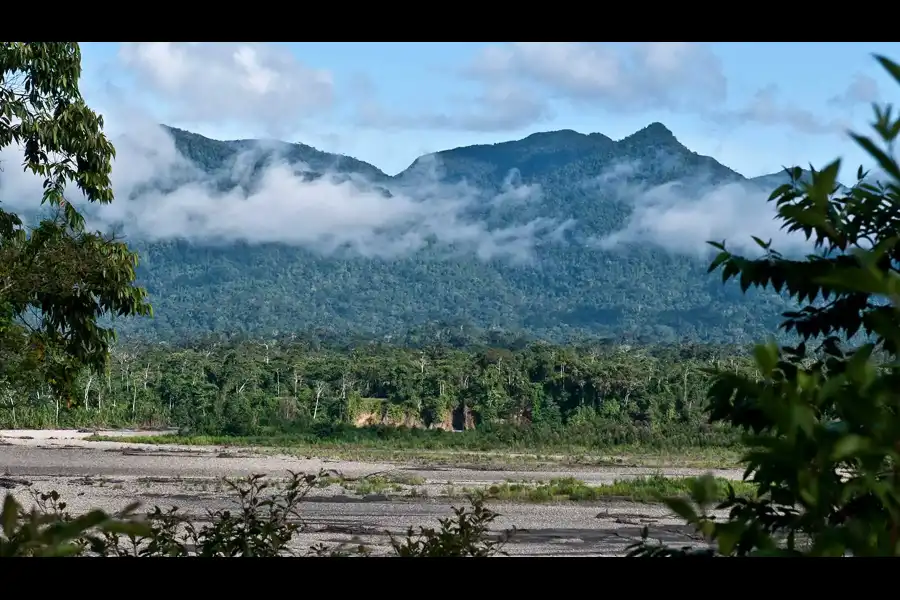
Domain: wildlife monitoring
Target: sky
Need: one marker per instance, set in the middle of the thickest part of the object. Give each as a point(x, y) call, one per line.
point(754, 106)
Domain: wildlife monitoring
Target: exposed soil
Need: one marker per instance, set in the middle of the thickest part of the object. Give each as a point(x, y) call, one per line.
point(110, 475)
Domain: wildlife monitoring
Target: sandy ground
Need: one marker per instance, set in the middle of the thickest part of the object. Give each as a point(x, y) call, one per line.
point(110, 475)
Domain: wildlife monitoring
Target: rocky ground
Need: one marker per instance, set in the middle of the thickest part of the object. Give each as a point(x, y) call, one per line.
point(363, 501)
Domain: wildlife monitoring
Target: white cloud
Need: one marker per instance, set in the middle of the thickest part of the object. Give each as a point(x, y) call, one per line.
point(767, 108)
point(681, 216)
point(520, 81)
point(633, 77)
point(282, 205)
point(861, 90)
point(256, 83)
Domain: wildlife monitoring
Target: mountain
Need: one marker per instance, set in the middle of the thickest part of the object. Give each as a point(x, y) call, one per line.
point(569, 284)
point(775, 180)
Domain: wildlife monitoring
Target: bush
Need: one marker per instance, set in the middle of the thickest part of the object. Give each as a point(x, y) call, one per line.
point(822, 423)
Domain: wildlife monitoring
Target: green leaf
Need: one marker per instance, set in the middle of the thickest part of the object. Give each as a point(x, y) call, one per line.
point(128, 528)
point(848, 446)
point(9, 516)
point(885, 161)
point(766, 358)
point(720, 258)
point(703, 489)
point(762, 244)
point(682, 508)
point(855, 279)
point(889, 66)
point(728, 535)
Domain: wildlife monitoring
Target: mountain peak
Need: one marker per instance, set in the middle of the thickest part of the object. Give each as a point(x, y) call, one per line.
point(654, 133)
point(559, 135)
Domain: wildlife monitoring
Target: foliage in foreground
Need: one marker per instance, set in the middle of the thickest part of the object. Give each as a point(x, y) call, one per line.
point(264, 524)
point(822, 431)
point(57, 279)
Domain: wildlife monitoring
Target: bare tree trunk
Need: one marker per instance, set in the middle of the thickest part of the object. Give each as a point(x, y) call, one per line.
point(87, 390)
point(319, 389)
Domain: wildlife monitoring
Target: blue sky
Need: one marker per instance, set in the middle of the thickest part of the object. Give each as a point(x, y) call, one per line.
point(753, 106)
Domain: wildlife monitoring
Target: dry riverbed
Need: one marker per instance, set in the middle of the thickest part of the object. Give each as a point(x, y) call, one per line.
point(358, 503)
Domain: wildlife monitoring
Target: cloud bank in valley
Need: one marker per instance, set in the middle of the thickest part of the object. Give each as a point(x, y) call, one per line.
point(160, 195)
point(680, 216)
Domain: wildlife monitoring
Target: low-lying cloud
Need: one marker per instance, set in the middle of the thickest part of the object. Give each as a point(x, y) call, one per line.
point(160, 195)
point(682, 215)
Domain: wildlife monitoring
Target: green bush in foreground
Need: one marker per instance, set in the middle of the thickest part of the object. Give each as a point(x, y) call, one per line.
point(823, 428)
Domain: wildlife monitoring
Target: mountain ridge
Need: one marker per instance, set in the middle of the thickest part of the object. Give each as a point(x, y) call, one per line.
point(569, 288)
point(654, 131)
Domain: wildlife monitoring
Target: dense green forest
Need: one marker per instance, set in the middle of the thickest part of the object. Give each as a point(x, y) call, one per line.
point(581, 347)
point(591, 395)
point(569, 290)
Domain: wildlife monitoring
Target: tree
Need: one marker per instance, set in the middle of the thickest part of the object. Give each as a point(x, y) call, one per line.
point(58, 279)
point(823, 423)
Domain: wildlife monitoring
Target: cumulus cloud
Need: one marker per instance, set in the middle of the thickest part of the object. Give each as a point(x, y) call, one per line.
point(767, 108)
point(682, 215)
point(256, 83)
point(861, 90)
point(520, 80)
point(631, 77)
point(160, 196)
point(521, 83)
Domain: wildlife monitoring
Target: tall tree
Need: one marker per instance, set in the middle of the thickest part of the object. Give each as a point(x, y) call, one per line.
point(58, 279)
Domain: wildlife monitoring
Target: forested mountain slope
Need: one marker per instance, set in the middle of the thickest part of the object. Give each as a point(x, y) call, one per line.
point(526, 252)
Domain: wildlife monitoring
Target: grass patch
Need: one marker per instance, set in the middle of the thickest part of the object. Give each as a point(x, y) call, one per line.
point(573, 439)
point(373, 484)
point(624, 455)
point(646, 489)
